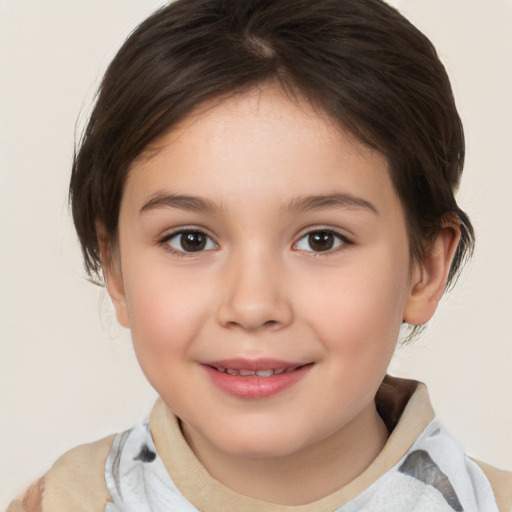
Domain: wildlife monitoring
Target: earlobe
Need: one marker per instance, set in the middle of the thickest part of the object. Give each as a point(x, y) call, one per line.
point(112, 275)
point(428, 278)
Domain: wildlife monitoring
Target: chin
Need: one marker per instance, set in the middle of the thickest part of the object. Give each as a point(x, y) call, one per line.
point(262, 443)
point(262, 449)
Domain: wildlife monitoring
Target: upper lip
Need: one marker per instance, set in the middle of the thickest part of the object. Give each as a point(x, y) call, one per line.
point(254, 364)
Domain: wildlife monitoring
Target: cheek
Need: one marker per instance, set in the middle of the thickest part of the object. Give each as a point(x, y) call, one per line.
point(165, 316)
point(361, 313)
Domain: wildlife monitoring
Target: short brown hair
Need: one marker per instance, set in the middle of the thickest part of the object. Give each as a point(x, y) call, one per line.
point(360, 61)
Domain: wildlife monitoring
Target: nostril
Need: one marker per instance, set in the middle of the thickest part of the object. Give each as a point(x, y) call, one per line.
point(269, 324)
point(253, 313)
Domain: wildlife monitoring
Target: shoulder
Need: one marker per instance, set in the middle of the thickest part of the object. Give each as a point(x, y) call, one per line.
point(501, 483)
point(75, 482)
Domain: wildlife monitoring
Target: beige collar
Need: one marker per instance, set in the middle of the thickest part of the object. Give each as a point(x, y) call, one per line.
point(403, 404)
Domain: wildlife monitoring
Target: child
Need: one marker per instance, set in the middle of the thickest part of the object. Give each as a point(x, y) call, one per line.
point(267, 189)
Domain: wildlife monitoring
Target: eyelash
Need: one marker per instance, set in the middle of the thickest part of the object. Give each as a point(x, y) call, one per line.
point(340, 240)
point(166, 242)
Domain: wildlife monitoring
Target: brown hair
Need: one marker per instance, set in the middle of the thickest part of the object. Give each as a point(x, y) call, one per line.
point(359, 61)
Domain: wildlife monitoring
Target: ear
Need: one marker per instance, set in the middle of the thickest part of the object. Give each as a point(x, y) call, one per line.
point(428, 278)
point(111, 266)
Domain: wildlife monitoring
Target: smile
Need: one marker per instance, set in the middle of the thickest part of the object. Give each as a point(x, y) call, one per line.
point(255, 373)
point(255, 379)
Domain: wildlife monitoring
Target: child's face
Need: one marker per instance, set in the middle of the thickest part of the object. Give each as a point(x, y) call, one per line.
point(260, 237)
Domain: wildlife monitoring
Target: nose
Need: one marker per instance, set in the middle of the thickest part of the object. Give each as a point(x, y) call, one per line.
point(254, 297)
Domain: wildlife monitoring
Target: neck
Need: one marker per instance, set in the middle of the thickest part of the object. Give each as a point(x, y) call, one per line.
point(301, 477)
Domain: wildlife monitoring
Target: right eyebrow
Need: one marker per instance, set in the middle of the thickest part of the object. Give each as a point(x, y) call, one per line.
point(334, 200)
point(180, 201)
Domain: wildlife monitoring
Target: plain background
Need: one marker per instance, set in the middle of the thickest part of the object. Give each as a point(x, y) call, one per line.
point(68, 374)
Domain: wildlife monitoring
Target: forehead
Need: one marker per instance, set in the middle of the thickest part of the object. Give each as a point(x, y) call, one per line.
point(265, 143)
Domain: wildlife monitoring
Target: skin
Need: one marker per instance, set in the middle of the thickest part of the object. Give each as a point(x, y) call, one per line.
point(259, 289)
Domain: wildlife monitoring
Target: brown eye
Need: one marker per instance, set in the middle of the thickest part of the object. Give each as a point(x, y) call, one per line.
point(191, 241)
point(322, 240)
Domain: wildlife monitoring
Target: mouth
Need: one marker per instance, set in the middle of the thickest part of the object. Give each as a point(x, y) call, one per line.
point(255, 379)
point(255, 373)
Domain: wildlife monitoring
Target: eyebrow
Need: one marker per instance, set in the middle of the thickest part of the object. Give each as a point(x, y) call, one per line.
point(295, 206)
point(181, 201)
point(325, 201)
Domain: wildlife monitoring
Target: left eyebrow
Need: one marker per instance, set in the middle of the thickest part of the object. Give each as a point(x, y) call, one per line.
point(180, 201)
point(325, 201)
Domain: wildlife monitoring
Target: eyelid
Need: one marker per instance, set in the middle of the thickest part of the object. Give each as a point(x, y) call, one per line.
point(345, 239)
point(164, 240)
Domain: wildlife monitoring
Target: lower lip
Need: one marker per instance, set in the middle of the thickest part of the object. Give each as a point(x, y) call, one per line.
point(255, 387)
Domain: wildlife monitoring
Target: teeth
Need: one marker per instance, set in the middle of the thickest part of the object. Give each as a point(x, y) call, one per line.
point(253, 373)
point(265, 373)
point(246, 373)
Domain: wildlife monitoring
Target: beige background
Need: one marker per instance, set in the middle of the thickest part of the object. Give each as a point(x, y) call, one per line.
point(67, 371)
